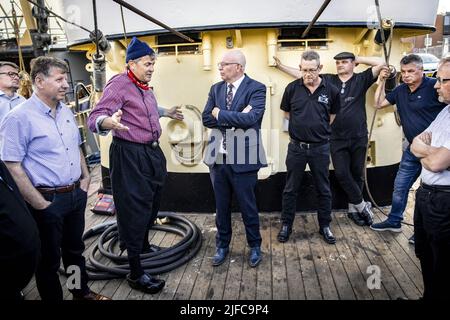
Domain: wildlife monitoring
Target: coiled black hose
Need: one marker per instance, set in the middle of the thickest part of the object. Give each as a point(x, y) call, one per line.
point(154, 263)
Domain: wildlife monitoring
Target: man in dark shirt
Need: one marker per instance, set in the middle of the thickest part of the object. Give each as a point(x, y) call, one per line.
point(349, 130)
point(417, 105)
point(311, 104)
point(19, 239)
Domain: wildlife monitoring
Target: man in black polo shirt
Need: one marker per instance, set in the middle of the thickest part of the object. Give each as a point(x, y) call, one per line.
point(19, 239)
point(349, 130)
point(311, 104)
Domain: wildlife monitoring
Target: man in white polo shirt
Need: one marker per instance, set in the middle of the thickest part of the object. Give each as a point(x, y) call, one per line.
point(432, 210)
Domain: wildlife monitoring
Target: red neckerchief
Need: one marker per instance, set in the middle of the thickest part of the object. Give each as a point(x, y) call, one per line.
point(136, 81)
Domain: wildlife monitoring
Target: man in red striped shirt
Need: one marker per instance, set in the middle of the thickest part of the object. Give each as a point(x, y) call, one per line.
point(137, 164)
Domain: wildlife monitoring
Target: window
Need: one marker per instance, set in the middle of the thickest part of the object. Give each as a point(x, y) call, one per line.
point(291, 38)
point(446, 31)
point(170, 43)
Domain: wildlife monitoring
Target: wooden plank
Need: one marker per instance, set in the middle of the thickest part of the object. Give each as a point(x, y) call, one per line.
point(279, 274)
point(192, 270)
point(401, 238)
point(395, 265)
point(309, 275)
point(327, 285)
point(362, 255)
point(30, 286)
point(296, 289)
point(354, 270)
point(264, 270)
point(376, 259)
point(217, 285)
point(238, 260)
point(200, 290)
point(334, 259)
point(176, 275)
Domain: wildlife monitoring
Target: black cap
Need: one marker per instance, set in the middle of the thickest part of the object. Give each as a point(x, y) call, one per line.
point(344, 55)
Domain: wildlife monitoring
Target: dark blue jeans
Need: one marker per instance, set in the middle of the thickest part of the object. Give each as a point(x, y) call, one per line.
point(318, 159)
point(407, 174)
point(61, 228)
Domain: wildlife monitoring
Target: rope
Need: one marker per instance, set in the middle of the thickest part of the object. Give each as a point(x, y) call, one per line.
point(17, 34)
point(123, 25)
point(387, 53)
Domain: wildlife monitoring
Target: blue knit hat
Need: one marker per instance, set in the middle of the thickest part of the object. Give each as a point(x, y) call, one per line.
point(137, 49)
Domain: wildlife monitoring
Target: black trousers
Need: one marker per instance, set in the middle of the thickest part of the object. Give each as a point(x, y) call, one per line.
point(138, 173)
point(318, 159)
point(15, 273)
point(432, 240)
point(348, 158)
point(61, 228)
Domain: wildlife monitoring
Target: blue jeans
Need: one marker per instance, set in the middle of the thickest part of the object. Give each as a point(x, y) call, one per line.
point(407, 174)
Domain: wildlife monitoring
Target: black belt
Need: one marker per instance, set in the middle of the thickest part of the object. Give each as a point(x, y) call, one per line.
point(151, 144)
point(308, 145)
point(435, 187)
point(63, 189)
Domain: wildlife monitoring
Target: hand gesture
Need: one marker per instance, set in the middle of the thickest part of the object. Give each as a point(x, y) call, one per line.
point(175, 113)
point(115, 122)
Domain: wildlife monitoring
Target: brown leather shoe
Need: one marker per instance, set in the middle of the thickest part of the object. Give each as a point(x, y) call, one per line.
point(91, 296)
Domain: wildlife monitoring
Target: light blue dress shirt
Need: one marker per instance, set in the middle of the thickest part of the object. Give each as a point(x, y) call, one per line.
point(47, 146)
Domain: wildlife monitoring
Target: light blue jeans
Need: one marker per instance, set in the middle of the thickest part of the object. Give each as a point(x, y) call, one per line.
point(407, 174)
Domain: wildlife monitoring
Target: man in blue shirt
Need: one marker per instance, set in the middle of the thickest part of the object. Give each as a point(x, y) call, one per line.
point(41, 150)
point(9, 84)
point(417, 105)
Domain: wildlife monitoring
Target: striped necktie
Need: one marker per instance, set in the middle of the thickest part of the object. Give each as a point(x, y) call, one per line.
point(229, 100)
point(229, 96)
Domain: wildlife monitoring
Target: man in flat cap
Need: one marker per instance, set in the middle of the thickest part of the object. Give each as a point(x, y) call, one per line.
point(349, 130)
point(137, 164)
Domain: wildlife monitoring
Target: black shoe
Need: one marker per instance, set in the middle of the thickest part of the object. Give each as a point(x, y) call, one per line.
point(255, 256)
point(284, 233)
point(151, 249)
point(327, 235)
point(367, 214)
point(220, 256)
point(146, 283)
point(356, 218)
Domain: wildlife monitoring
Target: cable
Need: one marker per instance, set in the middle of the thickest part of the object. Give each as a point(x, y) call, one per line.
point(94, 6)
point(154, 263)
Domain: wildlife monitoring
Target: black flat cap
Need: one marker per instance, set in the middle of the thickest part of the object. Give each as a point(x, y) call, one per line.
point(344, 55)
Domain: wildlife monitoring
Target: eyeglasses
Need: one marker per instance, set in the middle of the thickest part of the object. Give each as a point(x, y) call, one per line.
point(224, 64)
point(12, 74)
point(309, 70)
point(442, 81)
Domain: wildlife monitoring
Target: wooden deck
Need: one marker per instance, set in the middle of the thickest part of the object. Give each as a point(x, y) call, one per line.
point(303, 268)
